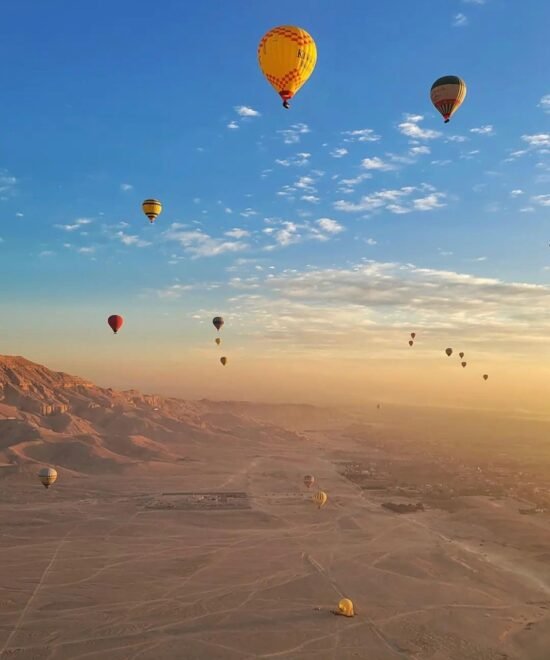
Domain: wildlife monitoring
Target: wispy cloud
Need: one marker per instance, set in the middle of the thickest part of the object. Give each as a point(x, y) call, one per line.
point(474, 2)
point(299, 160)
point(312, 199)
point(172, 292)
point(130, 240)
point(516, 193)
point(330, 226)
point(292, 135)
point(537, 141)
point(398, 201)
point(544, 103)
point(483, 130)
point(339, 152)
point(460, 20)
point(361, 135)
point(7, 182)
point(233, 125)
point(411, 128)
point(237, 232)
point(541, 200)
point(86, 250)
point(248, 213)
point(376, 164)
point(245, 111)
point(78, 224)
point(199, 244)
point(126, 187)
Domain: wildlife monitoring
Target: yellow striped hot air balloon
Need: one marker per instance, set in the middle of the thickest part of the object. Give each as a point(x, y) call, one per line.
point(320, 498)
point(447, 95)
point(152, 209)
point(47, 476)
point(287, 56)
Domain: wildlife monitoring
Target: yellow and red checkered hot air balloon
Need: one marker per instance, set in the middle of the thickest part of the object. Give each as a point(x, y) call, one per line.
point(447, 94)
point(287, 56)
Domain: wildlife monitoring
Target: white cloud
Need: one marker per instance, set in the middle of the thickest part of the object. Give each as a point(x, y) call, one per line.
point(228, 210)
point(233, 125)
point(371, 241)
point(299, 160)
point(86, 250)
point(339, 152)
point(544, 103)
point(395, 201)
point(78, 224)
point(173, 291)
point(44, 253)
point(129, 240)
point(347, 185)
point(460, 20)
point(541, 200)
point(306, 183)
point(361, 135)
point(457, 138)
point(474, 2)
point(536, 141)
point(236, 232)
point(419, 151)
point(516, 193)
point(7, 182)
point(483, 130)
point(247, 213)
point(376, 164)
point(125, 187)
point(199, 244)
point(245, 111)
point(330, 226)
point(312, 199)
point(527, 209)
point(410, 127)
point(292, 135)
point(18, 215)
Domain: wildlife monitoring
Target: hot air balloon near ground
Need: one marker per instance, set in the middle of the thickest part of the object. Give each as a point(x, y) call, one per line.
point(447, 95)
point(320, 498)
point(218, 322)
point(485, 376)
point(152, 209)
point(223, 360)
point(345, 607)
point(309, 480)
point(449, 351)
point(287, 56)
point(47, 476)
point(463, 364)
point(115, 322)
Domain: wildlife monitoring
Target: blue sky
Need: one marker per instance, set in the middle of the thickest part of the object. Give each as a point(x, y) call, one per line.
point(272, 217)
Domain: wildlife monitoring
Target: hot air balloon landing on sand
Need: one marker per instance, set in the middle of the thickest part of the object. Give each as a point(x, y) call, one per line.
point(115, 322)
point(345, 608)
point(320, 498)
point(152, 209)
point(47, 476)
point(447, 94)
point(309, 480)
point(287, 55)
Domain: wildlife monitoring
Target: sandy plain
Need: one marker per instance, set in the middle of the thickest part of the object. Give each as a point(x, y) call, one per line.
point(220, 554)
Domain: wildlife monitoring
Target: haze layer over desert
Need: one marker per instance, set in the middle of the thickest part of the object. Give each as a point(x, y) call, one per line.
point(182, 529)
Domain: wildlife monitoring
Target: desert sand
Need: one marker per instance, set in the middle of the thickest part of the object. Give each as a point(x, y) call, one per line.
point(198, 539)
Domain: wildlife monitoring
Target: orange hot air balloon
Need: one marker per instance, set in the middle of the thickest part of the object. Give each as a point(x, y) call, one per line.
point(411, 342)
point(447, 94)
point(115, 322)
point(485, 376)
point(309, 480)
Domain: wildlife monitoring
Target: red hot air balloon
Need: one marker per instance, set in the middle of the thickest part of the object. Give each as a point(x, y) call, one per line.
point(115, 322)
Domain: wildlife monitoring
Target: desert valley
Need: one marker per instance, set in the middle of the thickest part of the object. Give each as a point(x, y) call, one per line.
point(182, 529)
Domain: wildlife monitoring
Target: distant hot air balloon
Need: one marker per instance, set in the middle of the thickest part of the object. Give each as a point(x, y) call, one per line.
point(463, 364)
point(485, 376)
point(115, 322)
point(413, 334)
point(47, 476)
point(287, 57)
point(152, 209)
point(411, 342)
point(218, 341)
point(461, 355)
point(309, 480)
point(223, 360)
point(218, 322)
point(345, 607)
point(449, 351)
point(320, 498)
point(447, 95)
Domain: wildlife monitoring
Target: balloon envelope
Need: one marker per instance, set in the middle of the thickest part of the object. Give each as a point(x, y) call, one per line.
point(218, 341)
point(449, 351)
point(345, 607)
point(463, 364)
point(413, 334)
point(309, 480)
point(223, 360)
point(287, 55)
point(447, 95)
point(485, 376)
point(461, 355)
point(115, 322)
point(47, 476)
point(320, 498)
point(218, 322)
point(411, 342)
point(152, 209)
